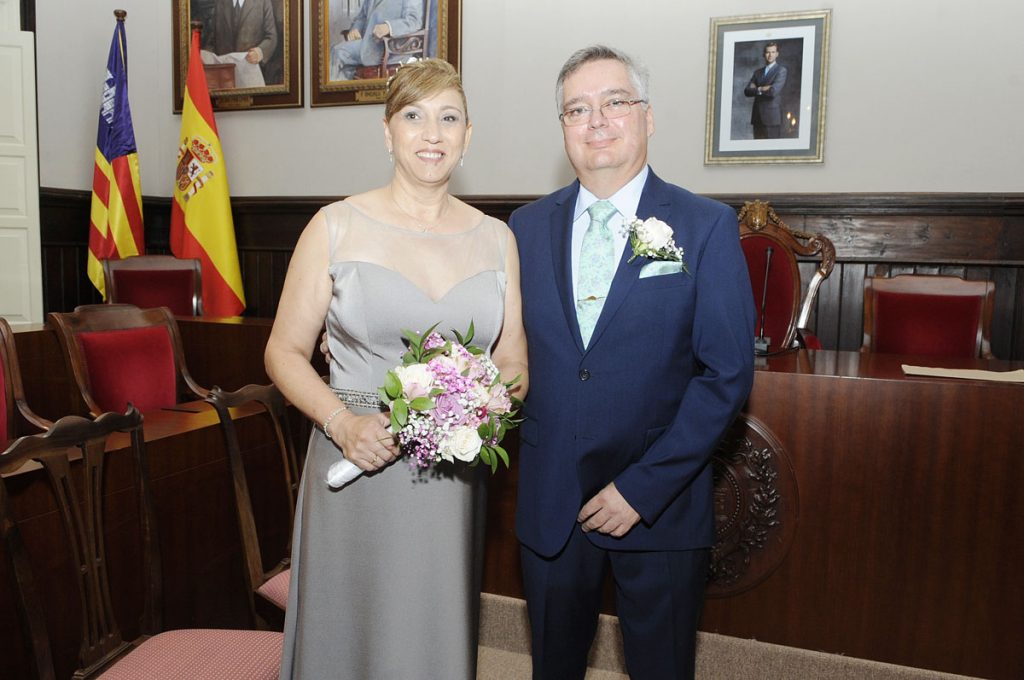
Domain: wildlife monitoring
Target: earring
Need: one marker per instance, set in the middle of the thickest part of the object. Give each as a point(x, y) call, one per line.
point(391, 156)
point(462, 161)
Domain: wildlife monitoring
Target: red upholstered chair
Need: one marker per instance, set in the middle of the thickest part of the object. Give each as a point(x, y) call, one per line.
point(16, 418)
point(942, 316)
point(771, 249)
point(271, 585)
point(119, 353)
point(194, 653)
point(156, 281)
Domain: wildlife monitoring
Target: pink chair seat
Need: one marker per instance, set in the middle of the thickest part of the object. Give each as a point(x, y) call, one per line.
point(276, 589)
point(201, 653)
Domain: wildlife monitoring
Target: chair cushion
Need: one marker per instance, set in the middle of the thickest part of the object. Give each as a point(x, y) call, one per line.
point(170, 288)
point(134, 364)
point(276, 589)
point(203, 653)
point(929, 325)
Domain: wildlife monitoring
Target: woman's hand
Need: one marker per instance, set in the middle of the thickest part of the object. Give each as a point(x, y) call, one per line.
point(364, 440)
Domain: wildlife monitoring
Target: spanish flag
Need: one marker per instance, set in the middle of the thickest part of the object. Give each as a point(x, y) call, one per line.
point(115, 220)
point(201, 224)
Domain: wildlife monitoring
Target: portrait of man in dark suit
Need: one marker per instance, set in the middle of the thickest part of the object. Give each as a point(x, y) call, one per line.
point(765, 88)
point(251, 29)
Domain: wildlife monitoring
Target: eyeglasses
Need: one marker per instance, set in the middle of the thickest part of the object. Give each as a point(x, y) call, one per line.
point(613, 108)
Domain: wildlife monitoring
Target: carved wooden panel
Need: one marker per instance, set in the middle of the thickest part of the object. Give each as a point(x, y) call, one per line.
point(757, 507)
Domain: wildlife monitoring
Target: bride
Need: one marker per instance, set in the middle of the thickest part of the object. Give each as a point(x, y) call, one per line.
point(386, 571)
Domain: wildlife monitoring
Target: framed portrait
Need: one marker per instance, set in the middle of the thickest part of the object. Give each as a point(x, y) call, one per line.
point(360, 43)
point(251, 51)
point(767, 80)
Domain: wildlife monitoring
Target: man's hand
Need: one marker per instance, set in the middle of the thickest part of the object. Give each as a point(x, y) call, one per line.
point(608, 513)
point(381, 31)
point(353, 34)
point(253, 56)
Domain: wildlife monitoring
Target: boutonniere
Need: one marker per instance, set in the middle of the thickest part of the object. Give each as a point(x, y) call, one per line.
point(652, 238)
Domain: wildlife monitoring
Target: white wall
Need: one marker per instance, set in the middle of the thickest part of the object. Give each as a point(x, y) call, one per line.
point(922, 96)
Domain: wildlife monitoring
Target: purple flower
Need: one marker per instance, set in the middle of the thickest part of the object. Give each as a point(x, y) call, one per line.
point(447, 407)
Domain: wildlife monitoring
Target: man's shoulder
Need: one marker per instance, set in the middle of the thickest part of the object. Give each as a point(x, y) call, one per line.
point(685, 198)
point(542, 206)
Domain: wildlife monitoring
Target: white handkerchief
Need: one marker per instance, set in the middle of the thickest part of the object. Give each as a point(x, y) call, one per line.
point(341, 473)
point(660, 268)
point(966, 373)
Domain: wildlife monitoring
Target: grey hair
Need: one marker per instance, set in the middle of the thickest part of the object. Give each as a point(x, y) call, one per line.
point(638, 75)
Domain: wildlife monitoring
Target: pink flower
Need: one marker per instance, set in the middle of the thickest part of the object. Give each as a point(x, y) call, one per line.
point(447, 407)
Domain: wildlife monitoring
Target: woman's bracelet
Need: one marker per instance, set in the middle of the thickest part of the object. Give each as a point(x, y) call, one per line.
point(327, 422)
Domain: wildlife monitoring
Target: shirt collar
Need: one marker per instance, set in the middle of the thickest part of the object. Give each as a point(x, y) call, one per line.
point(626, 200)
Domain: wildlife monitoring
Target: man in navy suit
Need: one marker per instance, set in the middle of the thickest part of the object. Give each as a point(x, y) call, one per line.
point(623, 415)
point(765, 87)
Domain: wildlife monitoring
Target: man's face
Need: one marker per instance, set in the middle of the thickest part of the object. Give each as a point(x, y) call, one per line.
point(771, 53)
point(614, 148)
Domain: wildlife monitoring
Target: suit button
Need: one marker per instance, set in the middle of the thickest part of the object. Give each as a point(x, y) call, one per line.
point(584, 375)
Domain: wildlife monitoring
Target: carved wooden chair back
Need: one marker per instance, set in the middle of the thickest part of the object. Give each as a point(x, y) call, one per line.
point(119, 353)
point(16, 418)
point(271, 585)
point(771, 249)
point(156, 281)
point(153, 655)
point(928, 315)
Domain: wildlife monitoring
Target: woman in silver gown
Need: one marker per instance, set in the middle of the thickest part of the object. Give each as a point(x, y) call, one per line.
point(386, 571)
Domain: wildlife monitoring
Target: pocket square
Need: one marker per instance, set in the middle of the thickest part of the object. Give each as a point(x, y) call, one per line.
point(660, 268)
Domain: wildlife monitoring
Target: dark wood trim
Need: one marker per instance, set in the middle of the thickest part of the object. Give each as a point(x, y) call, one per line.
point(975, 235)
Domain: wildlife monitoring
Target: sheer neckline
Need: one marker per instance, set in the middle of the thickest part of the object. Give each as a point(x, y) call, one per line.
point(413, 284)
point(413, 232)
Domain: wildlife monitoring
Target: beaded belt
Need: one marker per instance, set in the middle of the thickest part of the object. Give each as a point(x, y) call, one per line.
point(357, 398)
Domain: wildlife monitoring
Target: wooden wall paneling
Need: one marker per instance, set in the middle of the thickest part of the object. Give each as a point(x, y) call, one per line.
point(891, 233)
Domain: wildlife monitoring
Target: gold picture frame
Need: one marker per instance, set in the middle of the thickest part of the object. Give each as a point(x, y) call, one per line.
point(762, 114)
point(275, 81)
point(347, 70)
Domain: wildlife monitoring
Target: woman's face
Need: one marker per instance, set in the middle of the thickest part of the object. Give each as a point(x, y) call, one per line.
point(428, 137)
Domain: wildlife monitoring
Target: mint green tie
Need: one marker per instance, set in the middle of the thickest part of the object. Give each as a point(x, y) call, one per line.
point(597, 267)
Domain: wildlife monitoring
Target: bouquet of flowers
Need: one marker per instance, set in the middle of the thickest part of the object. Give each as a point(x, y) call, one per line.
point(447, 402)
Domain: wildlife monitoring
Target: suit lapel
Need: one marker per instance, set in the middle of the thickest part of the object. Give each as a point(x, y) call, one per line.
point(560, 232)
point(652, 204)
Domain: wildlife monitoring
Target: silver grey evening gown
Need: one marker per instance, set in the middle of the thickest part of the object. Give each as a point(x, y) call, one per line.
point(385, 571)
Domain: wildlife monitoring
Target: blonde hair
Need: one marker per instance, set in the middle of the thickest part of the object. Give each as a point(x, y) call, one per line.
point(420, 80)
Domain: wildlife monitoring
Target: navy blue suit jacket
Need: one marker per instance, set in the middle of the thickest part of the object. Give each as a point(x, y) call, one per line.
point(669, 366)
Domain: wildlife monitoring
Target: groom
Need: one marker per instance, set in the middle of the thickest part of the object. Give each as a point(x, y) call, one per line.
point(636, 370)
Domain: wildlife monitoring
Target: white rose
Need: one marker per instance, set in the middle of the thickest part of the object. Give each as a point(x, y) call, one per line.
point(416, 380)
point(656, 233)
point(464, 444)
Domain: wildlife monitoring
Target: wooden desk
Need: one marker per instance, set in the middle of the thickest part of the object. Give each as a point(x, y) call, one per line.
point(199, 537)
point(909, 532)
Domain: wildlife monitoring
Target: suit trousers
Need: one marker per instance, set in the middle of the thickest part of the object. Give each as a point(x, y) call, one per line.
point(659, 596)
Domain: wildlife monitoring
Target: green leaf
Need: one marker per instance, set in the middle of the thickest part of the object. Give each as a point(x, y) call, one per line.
point(392, 385)
point(400, 411)
point(503, 454)
point(485, 454)
point(395, 425)
point(422, 404)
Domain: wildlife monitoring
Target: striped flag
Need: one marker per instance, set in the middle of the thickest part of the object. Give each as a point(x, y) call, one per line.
point(115, 220)
point(201, 224)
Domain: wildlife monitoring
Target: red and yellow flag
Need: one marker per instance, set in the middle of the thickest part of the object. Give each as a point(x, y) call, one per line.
point(115, 219)
point(201, 224)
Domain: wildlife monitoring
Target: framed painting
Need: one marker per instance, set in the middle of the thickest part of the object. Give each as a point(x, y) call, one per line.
point(360, 43)
point(767, 80)
point(251, 52)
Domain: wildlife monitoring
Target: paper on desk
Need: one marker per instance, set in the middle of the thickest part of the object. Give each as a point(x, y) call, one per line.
point(246, 74)
point(966, 373)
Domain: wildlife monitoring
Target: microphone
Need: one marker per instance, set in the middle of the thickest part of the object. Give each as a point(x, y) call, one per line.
point(761, 343)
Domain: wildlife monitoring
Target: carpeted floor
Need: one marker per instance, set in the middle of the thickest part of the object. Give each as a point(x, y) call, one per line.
point(504, 654)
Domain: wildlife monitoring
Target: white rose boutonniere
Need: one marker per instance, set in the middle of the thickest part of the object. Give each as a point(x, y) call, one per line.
point(652, 238)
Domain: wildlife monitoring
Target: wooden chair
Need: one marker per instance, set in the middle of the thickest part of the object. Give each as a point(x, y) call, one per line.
point(16, 418)
point(156, 281)
point(271, 585)
point(119, 353)
point(928, 315)
point(398, 48)
point(154, 655)
point(771, 249)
